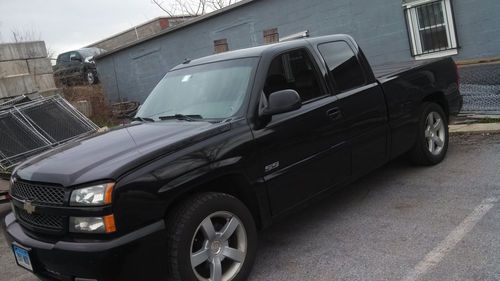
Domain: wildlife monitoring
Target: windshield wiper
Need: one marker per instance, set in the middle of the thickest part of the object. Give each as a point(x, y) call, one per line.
point(182, 117)
point(143, 119)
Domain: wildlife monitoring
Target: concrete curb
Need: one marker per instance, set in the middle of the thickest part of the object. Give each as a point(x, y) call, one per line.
point(478, 128)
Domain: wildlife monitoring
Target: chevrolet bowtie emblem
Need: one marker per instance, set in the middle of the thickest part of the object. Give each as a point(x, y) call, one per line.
point(28, 207)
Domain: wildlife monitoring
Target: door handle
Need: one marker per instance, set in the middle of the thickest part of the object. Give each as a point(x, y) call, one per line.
point(334, 113)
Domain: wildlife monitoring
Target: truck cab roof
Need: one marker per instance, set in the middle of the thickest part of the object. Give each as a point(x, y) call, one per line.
point(260, 51)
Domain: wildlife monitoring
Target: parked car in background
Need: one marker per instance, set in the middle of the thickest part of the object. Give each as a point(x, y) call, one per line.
point(222, 147)
point(77, 66)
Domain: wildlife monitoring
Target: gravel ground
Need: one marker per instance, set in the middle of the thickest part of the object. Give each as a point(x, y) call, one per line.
point(399, 223)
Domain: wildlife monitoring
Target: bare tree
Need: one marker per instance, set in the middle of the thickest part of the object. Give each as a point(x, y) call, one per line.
point(219, 4)
point(191, 7)
point(24, 35)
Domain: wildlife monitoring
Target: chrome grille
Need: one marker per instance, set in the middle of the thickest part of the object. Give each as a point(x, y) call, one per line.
point(41, 220)
point(40, 194)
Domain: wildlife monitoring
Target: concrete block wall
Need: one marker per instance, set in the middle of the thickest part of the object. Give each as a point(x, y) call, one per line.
point(23, 51)
point(25, 69)
point(378, 26)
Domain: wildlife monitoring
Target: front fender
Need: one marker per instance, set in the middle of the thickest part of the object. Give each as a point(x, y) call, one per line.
point(204, 174)
point(145, 194)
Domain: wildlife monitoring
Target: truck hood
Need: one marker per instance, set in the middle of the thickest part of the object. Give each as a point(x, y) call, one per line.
point(103, 156)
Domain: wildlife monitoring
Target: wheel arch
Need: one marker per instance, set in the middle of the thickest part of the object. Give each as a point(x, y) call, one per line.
point(440, 99)
point(234, 184)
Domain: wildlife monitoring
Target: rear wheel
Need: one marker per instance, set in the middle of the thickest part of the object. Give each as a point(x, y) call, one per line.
point(211, 237)
point(432, 137)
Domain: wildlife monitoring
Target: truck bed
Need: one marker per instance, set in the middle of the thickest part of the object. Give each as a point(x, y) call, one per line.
point(385, 70)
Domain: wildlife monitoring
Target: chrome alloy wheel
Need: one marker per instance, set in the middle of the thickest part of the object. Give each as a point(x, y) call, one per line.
point(435, 134)
point(219, 247)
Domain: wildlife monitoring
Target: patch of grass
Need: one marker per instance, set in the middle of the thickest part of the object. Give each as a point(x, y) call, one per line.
point(488, 120)
point(106, 121)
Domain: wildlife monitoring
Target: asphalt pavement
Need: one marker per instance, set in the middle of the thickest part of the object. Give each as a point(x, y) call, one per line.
point(399, 223)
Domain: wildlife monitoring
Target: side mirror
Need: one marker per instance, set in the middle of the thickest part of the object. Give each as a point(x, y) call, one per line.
point(282, 102)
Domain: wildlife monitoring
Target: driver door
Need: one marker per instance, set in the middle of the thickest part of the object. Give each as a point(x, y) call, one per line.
point(304, 152)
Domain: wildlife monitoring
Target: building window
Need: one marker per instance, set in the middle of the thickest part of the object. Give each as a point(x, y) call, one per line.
point(221, 46)
point(271, 36)
point(431, 28)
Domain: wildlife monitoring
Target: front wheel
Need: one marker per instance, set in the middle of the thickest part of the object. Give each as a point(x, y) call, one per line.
point(432, 136)
point(211, 237)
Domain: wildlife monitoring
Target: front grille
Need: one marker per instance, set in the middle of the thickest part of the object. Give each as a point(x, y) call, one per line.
point(40, 220)
point(39, 194)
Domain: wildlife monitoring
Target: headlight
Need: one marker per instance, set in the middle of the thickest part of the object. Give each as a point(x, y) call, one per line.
point(97, 195)
point(92, 224)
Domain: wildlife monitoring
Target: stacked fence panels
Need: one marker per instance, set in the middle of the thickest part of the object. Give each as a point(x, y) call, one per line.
point(29, 128)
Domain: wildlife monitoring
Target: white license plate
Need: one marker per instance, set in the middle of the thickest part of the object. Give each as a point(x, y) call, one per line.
point(22, 257)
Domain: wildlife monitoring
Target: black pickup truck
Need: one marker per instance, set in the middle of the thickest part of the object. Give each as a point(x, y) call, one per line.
point(222, 147)
point(77, 66)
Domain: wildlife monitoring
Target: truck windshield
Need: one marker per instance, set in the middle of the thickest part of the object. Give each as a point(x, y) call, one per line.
point(211, 91)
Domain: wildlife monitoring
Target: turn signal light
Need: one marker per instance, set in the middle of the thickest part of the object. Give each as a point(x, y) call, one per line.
point(109, 224)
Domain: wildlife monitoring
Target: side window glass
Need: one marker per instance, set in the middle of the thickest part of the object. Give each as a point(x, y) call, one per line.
point(74, 55)
point(296, 71)
point(344, 67)
point(63, 58)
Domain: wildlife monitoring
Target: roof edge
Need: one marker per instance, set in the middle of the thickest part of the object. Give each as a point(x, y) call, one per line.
point(187, 23)
point(134, 27)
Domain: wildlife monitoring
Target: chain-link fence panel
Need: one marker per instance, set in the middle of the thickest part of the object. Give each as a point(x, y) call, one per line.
point(480, 87)
point(32, 127)
point(18, 140)
point(481, 74)
point(55, 120)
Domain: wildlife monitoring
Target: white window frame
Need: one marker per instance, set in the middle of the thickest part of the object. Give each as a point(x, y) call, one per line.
point(414, 30)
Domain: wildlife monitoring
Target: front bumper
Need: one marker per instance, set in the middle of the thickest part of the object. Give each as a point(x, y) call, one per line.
point(139, 255)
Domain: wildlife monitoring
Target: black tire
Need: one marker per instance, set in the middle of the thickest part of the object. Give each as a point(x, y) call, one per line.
point(184, 222)
point(421, 154)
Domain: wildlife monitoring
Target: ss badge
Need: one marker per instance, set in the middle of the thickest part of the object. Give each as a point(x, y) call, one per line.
point(272, 166)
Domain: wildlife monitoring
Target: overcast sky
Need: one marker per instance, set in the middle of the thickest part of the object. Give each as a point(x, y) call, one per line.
point(69, 24)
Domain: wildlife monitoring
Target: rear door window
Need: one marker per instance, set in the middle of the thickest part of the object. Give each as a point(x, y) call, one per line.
point(343, 65)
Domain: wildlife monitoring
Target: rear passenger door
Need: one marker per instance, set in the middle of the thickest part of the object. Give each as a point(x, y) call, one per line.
point(303, 152)
point(362, 102)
